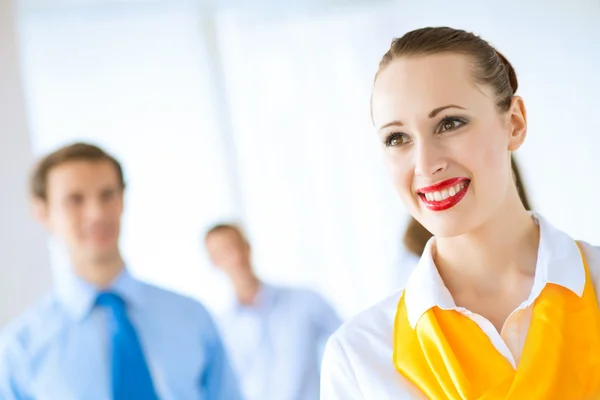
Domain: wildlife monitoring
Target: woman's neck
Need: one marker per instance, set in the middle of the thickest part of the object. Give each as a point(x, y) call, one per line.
point(492, 257)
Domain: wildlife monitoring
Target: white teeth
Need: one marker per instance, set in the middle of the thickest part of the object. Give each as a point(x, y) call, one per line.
point(446, 193)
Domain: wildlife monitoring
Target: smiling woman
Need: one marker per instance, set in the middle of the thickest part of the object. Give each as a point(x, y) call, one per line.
point(488, 311)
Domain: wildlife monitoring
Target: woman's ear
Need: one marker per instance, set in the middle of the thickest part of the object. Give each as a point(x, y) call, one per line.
point(517, 122)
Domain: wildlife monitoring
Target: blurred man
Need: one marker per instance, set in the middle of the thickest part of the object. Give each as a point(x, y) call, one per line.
point(275, 335)
point(101, 334)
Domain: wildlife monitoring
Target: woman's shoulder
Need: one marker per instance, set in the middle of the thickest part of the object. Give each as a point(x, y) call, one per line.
point(358, 359)
point(591, 254)
point(374, 324)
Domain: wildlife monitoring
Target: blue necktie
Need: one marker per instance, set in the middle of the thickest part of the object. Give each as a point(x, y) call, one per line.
point(129, 372)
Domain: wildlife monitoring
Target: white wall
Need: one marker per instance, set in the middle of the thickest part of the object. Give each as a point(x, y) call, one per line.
point(24, 267)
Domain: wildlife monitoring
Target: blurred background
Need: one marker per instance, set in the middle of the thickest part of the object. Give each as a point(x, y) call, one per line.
point(258, 111)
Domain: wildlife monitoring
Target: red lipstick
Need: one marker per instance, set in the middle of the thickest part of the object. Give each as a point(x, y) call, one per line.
point(432, 196)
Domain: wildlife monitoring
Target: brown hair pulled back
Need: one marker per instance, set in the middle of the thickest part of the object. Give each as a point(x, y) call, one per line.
point(490, 66)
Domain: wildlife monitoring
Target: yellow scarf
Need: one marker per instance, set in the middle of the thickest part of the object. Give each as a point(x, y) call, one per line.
point(447, 355)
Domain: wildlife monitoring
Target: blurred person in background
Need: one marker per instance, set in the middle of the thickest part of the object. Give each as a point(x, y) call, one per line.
point(501, 304)
point(275, 335)
point(102, 334)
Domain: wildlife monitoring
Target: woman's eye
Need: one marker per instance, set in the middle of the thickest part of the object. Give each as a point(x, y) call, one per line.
point(396, 139)
point(451, 123)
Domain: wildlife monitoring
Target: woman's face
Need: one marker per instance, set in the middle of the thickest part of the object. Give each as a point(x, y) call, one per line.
point(446, 145)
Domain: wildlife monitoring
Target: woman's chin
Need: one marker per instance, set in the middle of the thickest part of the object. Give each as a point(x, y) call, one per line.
point(446, 225)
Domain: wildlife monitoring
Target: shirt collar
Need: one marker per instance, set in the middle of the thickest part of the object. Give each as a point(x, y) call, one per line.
point(559, 262)
point(78, 297)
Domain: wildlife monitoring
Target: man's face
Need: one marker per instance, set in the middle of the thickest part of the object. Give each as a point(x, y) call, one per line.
point(228, 250)
point(83, 207)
